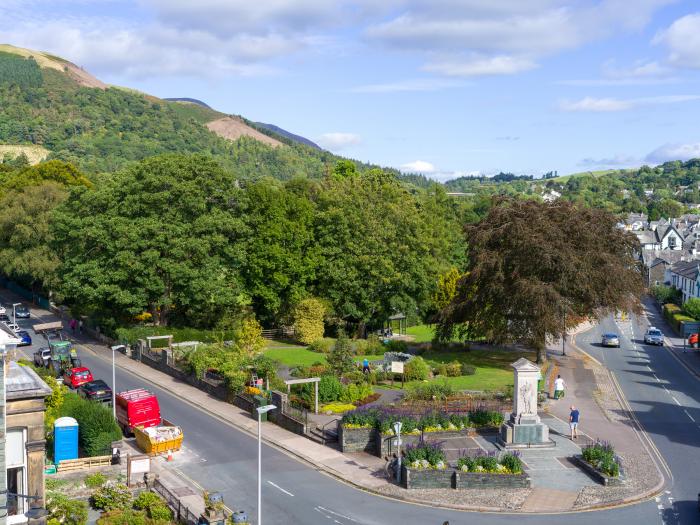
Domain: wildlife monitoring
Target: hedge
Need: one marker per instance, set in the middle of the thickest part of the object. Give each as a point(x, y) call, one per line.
point(675, 316)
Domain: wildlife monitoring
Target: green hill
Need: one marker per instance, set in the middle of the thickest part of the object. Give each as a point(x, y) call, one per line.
point(49, 103)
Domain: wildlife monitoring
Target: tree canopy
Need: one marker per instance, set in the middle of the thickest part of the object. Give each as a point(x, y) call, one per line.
point(535, 268)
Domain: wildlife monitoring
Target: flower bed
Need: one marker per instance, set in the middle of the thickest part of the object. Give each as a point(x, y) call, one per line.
point(600, 462)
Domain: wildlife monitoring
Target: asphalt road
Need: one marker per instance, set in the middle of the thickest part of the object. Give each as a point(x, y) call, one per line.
point(220, 457)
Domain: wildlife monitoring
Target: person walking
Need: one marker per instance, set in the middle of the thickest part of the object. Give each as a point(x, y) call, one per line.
point(573, 421)
point(365, 366)
point(559, 388)
point(80, 326)
point(72, 325)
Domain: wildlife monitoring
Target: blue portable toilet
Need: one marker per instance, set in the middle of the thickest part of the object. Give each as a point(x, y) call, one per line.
point(65, 439)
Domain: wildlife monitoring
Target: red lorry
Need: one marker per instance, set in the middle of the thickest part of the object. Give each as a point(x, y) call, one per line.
point(137, 407)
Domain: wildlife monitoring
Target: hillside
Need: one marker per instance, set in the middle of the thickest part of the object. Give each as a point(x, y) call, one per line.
point(53, 105)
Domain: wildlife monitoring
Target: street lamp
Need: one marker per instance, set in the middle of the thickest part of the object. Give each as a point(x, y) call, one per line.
point(261, 410)
point(397, 431)
point(14, 315)
point(114, 382)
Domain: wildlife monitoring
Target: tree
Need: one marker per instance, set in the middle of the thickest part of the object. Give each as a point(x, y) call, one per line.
point(446, 288)
point(308, 320)
point(692, 307)
point(249, 337)
point(160, 237)
point(536, 267)
point(340, 356)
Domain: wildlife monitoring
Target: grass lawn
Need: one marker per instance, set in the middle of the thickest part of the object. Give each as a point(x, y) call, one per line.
point(274, 343)
point(296, 356)
point(422, 333)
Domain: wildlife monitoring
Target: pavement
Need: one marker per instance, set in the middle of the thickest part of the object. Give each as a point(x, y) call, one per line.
point(221, 455)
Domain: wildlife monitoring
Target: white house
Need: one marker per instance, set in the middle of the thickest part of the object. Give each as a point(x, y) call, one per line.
point(684, 277)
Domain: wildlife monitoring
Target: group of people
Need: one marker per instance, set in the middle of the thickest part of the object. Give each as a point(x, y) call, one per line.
point(76, 324)
point(574, 414)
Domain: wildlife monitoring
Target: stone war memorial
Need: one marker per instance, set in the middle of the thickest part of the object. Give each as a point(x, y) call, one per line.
point(524, 428)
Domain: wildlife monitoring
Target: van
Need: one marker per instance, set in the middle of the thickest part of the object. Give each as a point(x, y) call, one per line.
point(137, 407)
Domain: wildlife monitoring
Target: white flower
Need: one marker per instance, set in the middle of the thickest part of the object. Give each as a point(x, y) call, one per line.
point(424, 463)
point(479, 468)
point(464, 468)
point(440, 465)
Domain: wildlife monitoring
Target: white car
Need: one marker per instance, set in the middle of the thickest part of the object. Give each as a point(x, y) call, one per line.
point(3, 310)
point(13, 326)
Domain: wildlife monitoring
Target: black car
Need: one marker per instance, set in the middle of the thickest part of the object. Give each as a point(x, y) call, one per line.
point(96, 390)
point(22, 312)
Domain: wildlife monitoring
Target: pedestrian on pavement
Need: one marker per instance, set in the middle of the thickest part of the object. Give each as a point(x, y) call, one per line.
point(573, 421)
point(559, 388)
point(72, 325)
point(80, 326)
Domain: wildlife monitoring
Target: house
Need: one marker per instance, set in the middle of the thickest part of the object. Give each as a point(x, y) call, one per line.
point(655, 264)
point(684, 277)
point(23, 448)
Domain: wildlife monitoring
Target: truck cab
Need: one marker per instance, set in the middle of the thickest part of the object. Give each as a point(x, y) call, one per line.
point(137, 407)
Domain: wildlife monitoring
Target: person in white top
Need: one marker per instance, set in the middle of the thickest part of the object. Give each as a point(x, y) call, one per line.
point(558, 387)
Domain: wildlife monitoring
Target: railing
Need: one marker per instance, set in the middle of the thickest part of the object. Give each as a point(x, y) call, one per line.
point(299, 413)
point(324, 430)
point(276, 333)
point(183, 514)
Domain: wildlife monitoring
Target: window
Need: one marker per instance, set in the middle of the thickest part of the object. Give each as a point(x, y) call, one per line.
point(16, 460)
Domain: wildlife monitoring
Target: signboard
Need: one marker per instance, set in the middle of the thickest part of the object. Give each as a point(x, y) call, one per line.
point(688, 328)
point(397, 367)
point(140, 464)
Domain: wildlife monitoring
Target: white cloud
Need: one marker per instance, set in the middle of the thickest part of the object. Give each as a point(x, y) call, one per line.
point(418, 166)
point(338, 141)
point(482, 66)
point(669, 152)
point(419, 84)
point(682, 39)
point(602, 105)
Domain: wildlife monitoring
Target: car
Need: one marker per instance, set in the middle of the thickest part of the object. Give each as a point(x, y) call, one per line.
point(22, 312)
point(25, 337)
point(654, 336)
point(4, 318)
point(74, 377)
point(610, 340)
point(693, 340)
point(42, 356)
point(13, 327)
point(96, 390)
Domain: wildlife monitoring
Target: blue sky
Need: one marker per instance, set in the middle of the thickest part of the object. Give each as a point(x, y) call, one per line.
point(445, 87)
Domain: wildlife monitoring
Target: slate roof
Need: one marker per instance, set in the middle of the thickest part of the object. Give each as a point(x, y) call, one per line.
point(22, 382)
point(687, 269)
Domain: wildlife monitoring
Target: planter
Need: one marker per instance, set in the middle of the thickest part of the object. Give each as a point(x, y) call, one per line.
point(357, 439)
point(427, 479)
point(485, 480)
point(597, 475)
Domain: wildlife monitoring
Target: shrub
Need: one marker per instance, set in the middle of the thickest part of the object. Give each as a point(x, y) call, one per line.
point(338, 408)
point(601, 455)
point(416, 369)
point(441, 370)
point(486, 418)
point(329, 389)
point(65, 510)
point(96, 480)
point(97, 427)
point(666, 294)
point(308, 320)
point(428, 391)
point(361, 418)
point(356, 376)
point(112, 497)
point(359, 347)
point(160, 512)
point(322, 346)
point(512, 462)
point(454, 369)
point(396, 346)
point(374, 345)
point(154, 505)
point(468, 370)
point(692, 308)
point(340, 357)
point(425, 455)
point(123, 517)
point(248, 337)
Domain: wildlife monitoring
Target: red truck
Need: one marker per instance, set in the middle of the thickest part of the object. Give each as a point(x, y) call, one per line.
point(137, 407)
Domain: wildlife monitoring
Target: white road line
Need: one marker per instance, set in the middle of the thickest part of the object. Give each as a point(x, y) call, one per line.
point(280, 488)
point(677, 402)
point(691, 418)
point(336, 514)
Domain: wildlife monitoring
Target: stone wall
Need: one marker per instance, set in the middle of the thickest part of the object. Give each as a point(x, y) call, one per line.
point(597, 475)
point(357, 439)
point(427, 479)
point(244, 404)
point(479, 480)
point(290, 423)
point(386, 443)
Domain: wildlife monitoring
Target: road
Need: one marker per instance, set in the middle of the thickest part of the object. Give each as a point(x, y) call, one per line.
point(220, 457)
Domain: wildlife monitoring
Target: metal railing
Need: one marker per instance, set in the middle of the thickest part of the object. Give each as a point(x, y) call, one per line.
point(183, 514)
point(299, 413)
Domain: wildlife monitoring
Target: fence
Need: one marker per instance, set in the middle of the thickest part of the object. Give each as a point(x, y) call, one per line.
point(277, 333)
point(299, 413)
point(183, 514)
point(68, 465)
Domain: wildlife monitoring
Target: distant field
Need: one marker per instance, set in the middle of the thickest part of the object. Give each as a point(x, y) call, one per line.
point(598, 173)
point(35, 154)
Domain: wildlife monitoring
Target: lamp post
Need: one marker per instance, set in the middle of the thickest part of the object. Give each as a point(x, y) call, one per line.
point(114, 382)
point(397, 431)
point(14, 312)
point(261, 410)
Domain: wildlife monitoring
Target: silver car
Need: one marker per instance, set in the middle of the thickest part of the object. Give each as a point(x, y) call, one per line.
point(611, 340)
point(654, 337)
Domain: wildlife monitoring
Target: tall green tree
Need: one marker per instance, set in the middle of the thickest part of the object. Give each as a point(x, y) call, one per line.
point(161, 236)
point(535, 268)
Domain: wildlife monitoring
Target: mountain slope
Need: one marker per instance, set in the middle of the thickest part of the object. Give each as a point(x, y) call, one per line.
point(48, 102)
point(287, 134)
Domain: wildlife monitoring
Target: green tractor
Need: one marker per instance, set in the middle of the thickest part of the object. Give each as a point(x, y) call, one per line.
point(63, 357)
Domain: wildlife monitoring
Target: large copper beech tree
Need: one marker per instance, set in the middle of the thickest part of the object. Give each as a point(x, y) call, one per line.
point(537, 268)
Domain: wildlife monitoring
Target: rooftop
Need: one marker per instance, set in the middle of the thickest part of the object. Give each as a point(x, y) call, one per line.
point(22, 382)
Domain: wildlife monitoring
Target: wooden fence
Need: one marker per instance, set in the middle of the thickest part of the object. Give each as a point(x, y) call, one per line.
point(68, 465)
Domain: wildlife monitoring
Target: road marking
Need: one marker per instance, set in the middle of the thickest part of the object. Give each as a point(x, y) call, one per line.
point(336, 514)
point(687, 414)
point(677, 402)
point(280, 488)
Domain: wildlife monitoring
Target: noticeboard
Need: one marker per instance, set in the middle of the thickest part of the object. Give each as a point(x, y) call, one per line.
point(397, 367)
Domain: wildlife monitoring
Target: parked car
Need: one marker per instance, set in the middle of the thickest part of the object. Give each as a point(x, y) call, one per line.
point(42, 357)
point(137, 407)
point(13, 327)
point(653, 336)
point(74, 377)
point(693, 340)
point(610, 340)
point(25, 337)
point(22, 312)
point(96, 390)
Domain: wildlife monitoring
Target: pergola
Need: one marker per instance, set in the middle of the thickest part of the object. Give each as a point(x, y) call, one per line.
point(401, 318)
point(290, 382)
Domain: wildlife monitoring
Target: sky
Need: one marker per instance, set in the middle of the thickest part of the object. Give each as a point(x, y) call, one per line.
point(441, 87)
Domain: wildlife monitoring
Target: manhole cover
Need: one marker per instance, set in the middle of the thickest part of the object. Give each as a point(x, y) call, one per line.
point(184, 491)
